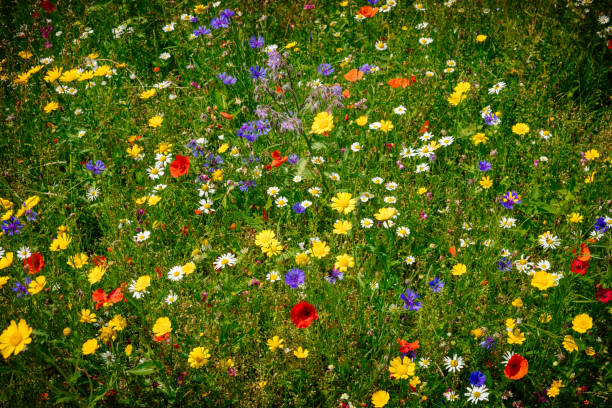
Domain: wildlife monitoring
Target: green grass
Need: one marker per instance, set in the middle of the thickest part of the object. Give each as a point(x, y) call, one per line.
point(556, 70)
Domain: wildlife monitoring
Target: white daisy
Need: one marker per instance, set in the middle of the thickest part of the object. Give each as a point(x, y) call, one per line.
point(175, 273)
point(422, 168)
point(507, 222)
point(23, 253)
point(355, 147)
point(281, 202)
point(314, 191)
point(400, 110)
point(224, 260)
point(92, 194)
point(476, 394)
point(206, 206)
point(454, 364)
point(273, 191)
point(171, 298)
point(142, 236)
point(367, 223)
point(403, 232)
point(164, 56)
point(273, 276)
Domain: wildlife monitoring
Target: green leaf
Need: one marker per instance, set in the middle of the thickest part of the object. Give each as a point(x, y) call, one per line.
point(146, 368)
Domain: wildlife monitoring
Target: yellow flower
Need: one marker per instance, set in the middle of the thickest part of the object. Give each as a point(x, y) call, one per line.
point(516, 337)
point(385, 213)
point(319, 249)
point(23, 78)
point(344, 3)
point(462, 87)
point(520, 129)
point(575, 218)
point(6, 204)
point(362, 120)
point(4, 280)
point(37, 285)
point(510, 323)
point(300, 353)
point(96, 274)
point(152, 200)
point(414, 381)
point(518, 302)
point(302, 259)
point(69, 76)
point(85, 75)
point(543, 280)
point(156, 121)
point(148, 94)
point(14, 338)
point(273, 249)
point(323, 122)
point(275, 343)
point(477, 333)
point(569, 344)
point(459, 269)
point(545, 318)
point(198, 357)
point(128, 350)
point(162, 326)
point(421, 191)
point(90, 346)
point(582, 323)
point(401, 368)
point(6, 260)
point(343, 262)
point(217, 175)
point(67, 331)
point(53, 74)
point(479, 138)
point(481, 38)
point(485, 182)
point(343, 202)
point(291, 44)
point(107, 334)
point(134, 151)
point(223, 148)
point(102, 70)
point(552, 392)
point(87, 316)
point(25, 54)
point(386, 126)
point(263, 238)
point(142, 283)
point(342, 227)
point(188, 268)
point(455, 98)
point(51, 106)
point(60, 243)
point(589, 351)
point(380, 399)
point(591, 154)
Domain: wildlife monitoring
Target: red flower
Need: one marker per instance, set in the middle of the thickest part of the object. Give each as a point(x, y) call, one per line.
point(100, 260)
point(516, 368)
point(179, 166)
point(47, 6)
point(405, 347)
point(303, 314)
point(34, 263)
point(579, 267)
point(277, 160)
point(368, 11)
point(103, 299)
point(603, 295)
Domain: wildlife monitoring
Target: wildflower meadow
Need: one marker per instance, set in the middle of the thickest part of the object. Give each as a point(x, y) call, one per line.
point(275, 203)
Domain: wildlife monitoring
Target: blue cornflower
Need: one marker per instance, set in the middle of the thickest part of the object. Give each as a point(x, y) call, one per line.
point(217, 23)
point(509, 199)
point(600, 225)
point(293, 159)
point(257, 72)
point(22, 289)
point(325, 69)
point(484, 165)
point(436, 285)
point(409, 300)
point(244, 185)
point(492, 120)
point(372, 2)
point(488, 343)
point(12, 226)
point(96, 168)
point(202, 30)
point(226, 78)
point(252, 130)
point(298, 208)
point(195, 148)
point(294, 277)
point(334, 275)
point(256, 41)
point(477, 378)
point(227, 14)
point(505, 265)
point(365, 68)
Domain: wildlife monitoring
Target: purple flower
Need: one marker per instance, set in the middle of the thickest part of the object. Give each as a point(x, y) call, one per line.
point(334, 275)
point(217, 23)
point(488, 343)
point(293, 159)
point(409, 299)
point(436, 285)
point(257, 72)
point(492, 120)
point(298, 208)
point(256, 41)
point(202, 30)
point(97, 168)
point(600, 225)
point(227, 14)
point(193, 19)
point(252, 130)
point(509, 199)
point(226, 78)
point(11, 226)
point(477, 378)
point(294, 277)
point(204, 296)
point(365, 68)
point(484, 165)
point(22, 289)
point(505, 265)
point(325, 69)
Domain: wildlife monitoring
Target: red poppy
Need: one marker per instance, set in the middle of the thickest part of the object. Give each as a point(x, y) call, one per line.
point(303, 314)
point(579, 267)
point(179, 166)
point(34, 263)
point(100, 260)
point(425, 127)
point(603, 295)
point(584, 254)
point(453, 251)
point(516, 368)
point(103, 299)
point(161, 338)
point(368, 11)
point(47, 6)
point(277, 160)
point(405, 347)
point(226, 115)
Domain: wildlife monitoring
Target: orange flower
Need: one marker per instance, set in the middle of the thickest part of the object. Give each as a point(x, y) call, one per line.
point(179, 166)
point(353, 75)
point(368, 11)
point(226, 115)
point(453, 251)
point(405, 347)
point(516, 368)
point(402, 82)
